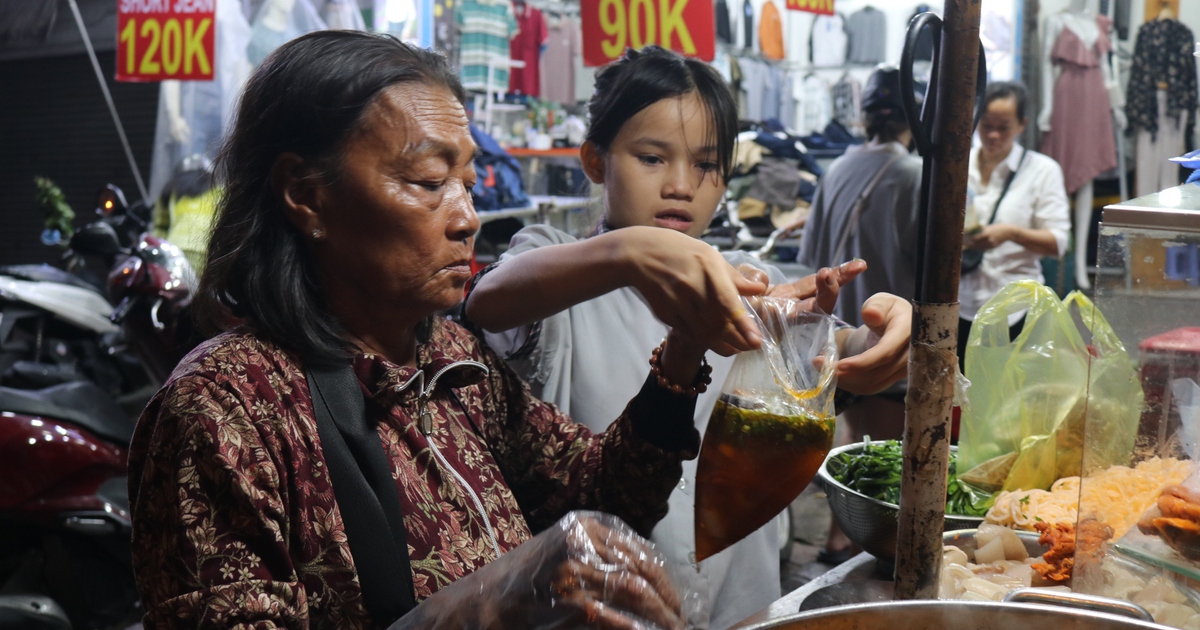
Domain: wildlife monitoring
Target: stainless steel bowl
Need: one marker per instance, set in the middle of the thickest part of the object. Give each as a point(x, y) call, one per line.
point(872, 523)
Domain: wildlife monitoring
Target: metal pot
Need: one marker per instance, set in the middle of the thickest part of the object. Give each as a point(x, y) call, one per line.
point(927, 614)
point(1023, 608)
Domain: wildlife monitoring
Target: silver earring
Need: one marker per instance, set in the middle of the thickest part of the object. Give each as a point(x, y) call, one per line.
point(318, 234)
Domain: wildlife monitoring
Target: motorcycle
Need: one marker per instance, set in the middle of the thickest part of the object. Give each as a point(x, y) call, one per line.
point(65, 558)
point(151, 284)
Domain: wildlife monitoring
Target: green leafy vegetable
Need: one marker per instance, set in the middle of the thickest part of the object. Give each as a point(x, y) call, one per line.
point(875, 470)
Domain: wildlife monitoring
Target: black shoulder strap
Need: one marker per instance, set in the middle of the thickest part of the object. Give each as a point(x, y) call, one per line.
point(1008, 182)
point(366, 493)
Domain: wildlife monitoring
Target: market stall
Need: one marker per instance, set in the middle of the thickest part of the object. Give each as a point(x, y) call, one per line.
point(1105, 507)
point(1075, 469)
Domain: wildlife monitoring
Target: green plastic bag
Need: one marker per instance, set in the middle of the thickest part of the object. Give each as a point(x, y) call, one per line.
point(1029, 397)
point(1115, 396)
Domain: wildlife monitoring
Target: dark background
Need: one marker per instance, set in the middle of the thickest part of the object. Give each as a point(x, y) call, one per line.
point(54, 122)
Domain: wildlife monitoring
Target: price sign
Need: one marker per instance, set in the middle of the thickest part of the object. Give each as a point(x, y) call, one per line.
point(166, 39)
point(811, 6)
point(611, 26)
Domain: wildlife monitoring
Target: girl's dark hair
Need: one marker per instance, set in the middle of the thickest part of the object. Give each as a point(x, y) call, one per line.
point(307, 97)
point(1007, 89)
point(643, 77)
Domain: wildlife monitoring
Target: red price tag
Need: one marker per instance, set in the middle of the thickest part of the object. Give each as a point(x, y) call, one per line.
point(166, 39)
point(611, 26)
point(824, 7)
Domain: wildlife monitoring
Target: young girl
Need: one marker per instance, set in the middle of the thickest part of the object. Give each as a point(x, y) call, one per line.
point(577, 318)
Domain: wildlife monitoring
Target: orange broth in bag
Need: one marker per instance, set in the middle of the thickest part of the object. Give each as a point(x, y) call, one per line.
point(753, 463)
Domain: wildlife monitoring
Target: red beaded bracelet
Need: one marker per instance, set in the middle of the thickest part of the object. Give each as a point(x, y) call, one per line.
point(703, 379)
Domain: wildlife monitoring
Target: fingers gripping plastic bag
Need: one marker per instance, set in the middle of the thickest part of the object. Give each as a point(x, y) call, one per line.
point(588, 570)
point(1029, 398)
point(771, 428)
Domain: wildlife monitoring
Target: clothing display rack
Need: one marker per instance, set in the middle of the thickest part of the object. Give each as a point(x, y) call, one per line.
point(555, 7)
point(487, 102)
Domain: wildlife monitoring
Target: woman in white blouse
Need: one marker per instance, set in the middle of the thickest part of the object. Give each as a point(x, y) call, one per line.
point(1020, 204)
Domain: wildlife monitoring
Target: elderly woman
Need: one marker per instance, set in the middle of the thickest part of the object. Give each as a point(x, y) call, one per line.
point(345, 228)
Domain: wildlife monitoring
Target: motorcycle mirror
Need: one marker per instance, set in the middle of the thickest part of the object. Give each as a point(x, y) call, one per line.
point(97, 239)
point(110, 200)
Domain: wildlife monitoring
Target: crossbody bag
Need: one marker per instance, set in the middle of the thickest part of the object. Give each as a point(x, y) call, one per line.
point(972, 258)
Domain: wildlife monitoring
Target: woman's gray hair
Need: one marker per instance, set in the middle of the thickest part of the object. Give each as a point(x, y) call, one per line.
point(306, 98)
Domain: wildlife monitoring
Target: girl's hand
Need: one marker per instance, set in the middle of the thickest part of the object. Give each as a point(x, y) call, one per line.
point(881, 356)
point(820, 289)
point(691, 288)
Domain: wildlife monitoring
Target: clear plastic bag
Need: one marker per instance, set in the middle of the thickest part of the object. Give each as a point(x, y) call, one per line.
point(771, 427)
point(588, 570)
point(1024, 428)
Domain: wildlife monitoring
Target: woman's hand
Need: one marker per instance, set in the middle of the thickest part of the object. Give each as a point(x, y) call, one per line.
point(876, 355)
point(691, 288)
point(607, 570)
point(992, 236)
point(1037, 241)
point(588, 570)
point(820, 289)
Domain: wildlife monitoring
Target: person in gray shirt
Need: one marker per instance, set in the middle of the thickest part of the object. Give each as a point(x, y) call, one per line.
point(866, 207)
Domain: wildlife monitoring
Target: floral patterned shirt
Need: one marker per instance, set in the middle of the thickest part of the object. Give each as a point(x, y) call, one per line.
point(235, 521)
point(1163, 54)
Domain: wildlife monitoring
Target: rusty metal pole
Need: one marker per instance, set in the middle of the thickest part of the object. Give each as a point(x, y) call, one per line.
point(932, 358)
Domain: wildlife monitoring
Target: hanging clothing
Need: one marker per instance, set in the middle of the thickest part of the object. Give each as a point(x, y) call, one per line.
point(185, 222)
point(1036, 199)
point(773, 92)
point(828, 43)
point(770, 32)
point(445, 30)
point(867, 31)
point(276, 22)
point(755, 76)
point(558, 62)
point(582, 360)
point(1120, 16)
point(486, 27)
point(815, 108)
point(787, 98)
point(724, 31)
point(748, 25)
point(1080, 137)
point(527, 47)
point(1155, 171)
point(847, 103)
point(343, 15)
point(1163, 55)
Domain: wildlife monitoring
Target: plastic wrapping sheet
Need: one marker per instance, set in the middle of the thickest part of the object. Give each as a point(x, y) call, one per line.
point(342, 15)
point(588, 570)
point(279, 21)
point(193, 115)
